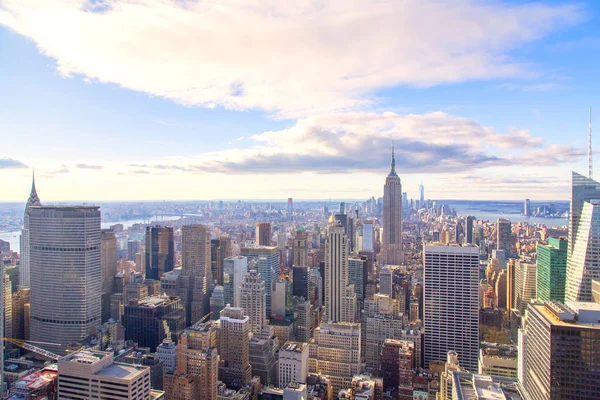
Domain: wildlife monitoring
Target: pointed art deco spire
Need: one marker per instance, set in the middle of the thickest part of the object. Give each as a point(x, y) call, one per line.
point(393, 164)
point(33, 200)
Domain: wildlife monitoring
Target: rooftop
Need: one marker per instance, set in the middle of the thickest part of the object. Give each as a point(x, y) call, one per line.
point(483, 387)
point(67, 208)
point(297, 347)
point(121, 371)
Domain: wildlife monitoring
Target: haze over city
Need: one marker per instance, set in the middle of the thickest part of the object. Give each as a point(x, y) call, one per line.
point(147, 100)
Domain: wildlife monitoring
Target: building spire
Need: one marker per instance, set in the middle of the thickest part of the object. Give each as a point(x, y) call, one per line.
point(393, 164)
point(34, 199)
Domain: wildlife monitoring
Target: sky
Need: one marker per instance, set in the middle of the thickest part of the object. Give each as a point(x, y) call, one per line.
point(232, 99)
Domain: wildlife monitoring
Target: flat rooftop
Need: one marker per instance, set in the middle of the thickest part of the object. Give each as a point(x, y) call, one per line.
point(296, 347)
point(121, 371)
point(67, 208)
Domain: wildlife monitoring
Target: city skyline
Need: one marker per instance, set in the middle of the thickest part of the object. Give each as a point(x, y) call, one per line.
point(498, 110)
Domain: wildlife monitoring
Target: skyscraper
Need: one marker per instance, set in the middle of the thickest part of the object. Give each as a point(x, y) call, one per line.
point(421, 196)
point(196, 269)
point(266, 259)
point(263, 234)
point(451, 313)
point(527, 208)
point(552, 269)
point(108, 261)
point(561, 356)
point(336, 273)
point(253, 300)
point(391, 246)
point(583, 264)
point(300, 248)
point(583, 190)
point(368, 235)
point(66, 281)
point(524, 284)
point(385, 281)
point(219, 251)
point(160, 251)
point(503, 232)
point(234, 269)
point(234, 339)
point(469, 230)
point(25, 267)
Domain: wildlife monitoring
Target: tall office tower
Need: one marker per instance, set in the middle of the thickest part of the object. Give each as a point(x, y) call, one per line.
point(300, 281)
point(263, 234)
point(150, 320)
point(561, 351)
point(266, 259)
point(166, 352)
point(583, 265)
point(501, 288)
point(290, 205)
point(234, 269)
point(7, 306)
point(304, 327)
point(469, 230)
point(316, 280)
point(253, 301)
point(66, 281)
point(451, 314)
point(336, 353)
point(160, 251)
point(552, 269)
point(336, 274)
point(391, 245)
point(300, 248)
point(382, 319)
point(527, 208)
point(583, 190)
point(368, 236)
point(217, 302)
point(421, 196)
point(197, 365)
point(133, 247)
point(293, 363)
point(219, 251)
point(503, 232)
point(459, 233)
point(196, 271)
point(281, 296)
point(25, 267)
point(524, 285)
point(358, 236)
point(234, 340)
point(385, 281)
point(108, 262)
point(358, 275)
point(89, 374)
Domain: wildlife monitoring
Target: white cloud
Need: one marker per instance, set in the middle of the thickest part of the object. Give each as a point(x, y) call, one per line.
point(290, 58)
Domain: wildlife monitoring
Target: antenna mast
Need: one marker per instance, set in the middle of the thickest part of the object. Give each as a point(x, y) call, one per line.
point(590, 166)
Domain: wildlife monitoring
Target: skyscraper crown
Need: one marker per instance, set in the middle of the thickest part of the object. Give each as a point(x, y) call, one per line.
point(33, 200)
point(393, 165)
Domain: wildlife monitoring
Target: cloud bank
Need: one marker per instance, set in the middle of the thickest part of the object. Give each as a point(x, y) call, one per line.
point(289, 58)
point(6, 162)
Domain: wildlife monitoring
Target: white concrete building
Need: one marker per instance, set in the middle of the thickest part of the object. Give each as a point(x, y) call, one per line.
point(293, 363)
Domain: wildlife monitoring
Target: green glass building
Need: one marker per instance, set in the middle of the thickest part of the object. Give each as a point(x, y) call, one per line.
point(552, 269)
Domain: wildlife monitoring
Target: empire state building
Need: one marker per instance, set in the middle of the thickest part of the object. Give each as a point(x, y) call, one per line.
point(391, 249)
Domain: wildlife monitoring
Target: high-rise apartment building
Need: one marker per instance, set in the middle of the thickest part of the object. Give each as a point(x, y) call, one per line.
point(552, 269)
point(160, 251)
point(234, 338)
point(263, 234)
point(336, 274)
point(66, 281)
point(524, 284)
point(451, 298)
point(234, 269)
point(25, 267)
point(503, 233)
point(391, 245)
point(583, 264)
point(266, 261)
point(150, 320)
point(561, 351)
point(253, 300)
point(89, 374)
point(293, 363)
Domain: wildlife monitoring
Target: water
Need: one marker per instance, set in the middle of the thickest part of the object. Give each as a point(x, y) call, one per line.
point(482, 212)
point(13, 236)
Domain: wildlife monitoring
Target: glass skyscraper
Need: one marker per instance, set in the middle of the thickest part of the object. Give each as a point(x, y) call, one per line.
point(552, 269)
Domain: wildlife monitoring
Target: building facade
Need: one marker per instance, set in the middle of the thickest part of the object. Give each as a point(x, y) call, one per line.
point(391, 245)
point(552, 270)
point(160, 251)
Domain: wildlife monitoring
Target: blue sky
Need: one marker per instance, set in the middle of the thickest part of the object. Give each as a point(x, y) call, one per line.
point(145, 100)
